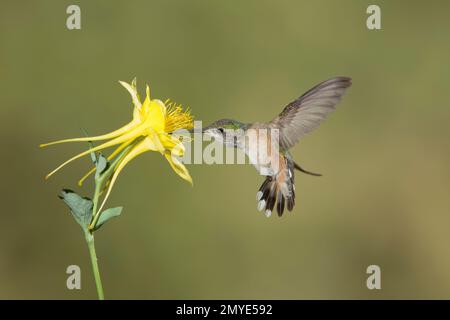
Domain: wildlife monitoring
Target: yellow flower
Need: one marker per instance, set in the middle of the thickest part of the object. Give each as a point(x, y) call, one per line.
point(153, 123)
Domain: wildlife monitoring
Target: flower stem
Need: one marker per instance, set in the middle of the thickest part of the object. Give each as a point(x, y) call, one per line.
point(91, 245)
point(96, 214)
point(100, 180)
point(95, 269)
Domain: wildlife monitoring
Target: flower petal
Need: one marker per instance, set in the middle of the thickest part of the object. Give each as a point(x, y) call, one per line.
point(153, 142)
point(133, 92)
point(112, 155)
point(141, 147)
point(131, 135)
point(173, 144)
point(178, 167)
point(155, 114)
point(110, 135)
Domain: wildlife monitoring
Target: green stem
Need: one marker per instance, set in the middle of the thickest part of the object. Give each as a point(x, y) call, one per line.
point(100, 180)
point(93, 255)
point(98, 186)
point(91, 245)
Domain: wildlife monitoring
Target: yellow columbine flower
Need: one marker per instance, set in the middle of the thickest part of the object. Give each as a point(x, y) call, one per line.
point(153, 122)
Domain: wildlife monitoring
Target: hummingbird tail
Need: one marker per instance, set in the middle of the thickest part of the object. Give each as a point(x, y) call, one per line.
point(297, 166)
point(277, 188)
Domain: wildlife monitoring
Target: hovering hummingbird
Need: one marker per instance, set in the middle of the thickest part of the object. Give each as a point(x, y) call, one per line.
point(297, 119)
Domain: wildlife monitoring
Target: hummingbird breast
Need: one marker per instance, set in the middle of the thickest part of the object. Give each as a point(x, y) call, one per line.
point(261, 147)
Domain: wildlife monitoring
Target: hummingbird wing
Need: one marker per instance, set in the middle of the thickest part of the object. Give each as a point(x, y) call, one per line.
point(306, 113)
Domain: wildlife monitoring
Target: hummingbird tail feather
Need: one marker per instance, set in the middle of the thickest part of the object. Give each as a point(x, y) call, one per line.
point(279, 190)
point(297, 166)
point(267, 196)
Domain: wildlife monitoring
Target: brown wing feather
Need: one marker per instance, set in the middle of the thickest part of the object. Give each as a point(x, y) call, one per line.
point(306, 113)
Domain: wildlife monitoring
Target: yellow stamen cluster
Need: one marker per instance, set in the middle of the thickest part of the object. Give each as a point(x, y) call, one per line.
point(177, 118)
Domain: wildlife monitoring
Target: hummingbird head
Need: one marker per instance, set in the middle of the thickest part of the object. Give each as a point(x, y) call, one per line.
point(226, 131)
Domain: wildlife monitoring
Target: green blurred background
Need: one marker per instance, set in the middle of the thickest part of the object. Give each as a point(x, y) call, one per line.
point(384, 197)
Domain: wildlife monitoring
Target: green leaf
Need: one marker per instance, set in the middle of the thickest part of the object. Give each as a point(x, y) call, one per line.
point(93, 154)
point(101, 164)
point(91, 145)
point(107, 215)
point(81, 208)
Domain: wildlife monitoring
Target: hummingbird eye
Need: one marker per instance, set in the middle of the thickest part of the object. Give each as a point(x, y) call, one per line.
point(221, 130)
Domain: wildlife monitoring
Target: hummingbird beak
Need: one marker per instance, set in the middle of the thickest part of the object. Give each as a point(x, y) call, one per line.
point(196, 130)
point(199, 130)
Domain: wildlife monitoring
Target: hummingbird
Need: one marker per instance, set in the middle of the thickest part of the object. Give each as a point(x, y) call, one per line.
point(298, 118)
